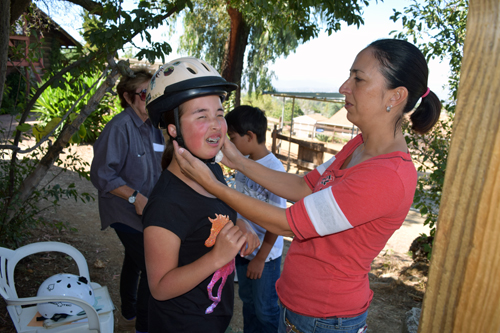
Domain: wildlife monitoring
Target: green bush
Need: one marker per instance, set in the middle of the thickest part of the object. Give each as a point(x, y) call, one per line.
point(324, 137)
point(55, 102)
point(14, 94)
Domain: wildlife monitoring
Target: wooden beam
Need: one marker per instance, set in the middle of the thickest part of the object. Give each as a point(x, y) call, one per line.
point(299, 163)
point(463, 292)
point(310, 145)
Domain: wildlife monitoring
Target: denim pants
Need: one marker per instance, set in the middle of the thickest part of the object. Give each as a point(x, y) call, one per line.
point(134, 289)
point(290, 322)
point(260, 301)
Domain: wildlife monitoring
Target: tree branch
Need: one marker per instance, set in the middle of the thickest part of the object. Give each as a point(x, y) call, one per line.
point(32, 181)
point(92, 6)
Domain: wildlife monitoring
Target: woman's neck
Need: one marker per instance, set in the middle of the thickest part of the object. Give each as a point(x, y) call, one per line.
point(375, 144)
point(383, 142)
point(174, 168)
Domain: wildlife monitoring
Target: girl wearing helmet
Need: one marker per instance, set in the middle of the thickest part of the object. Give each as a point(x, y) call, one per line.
point(191, 283)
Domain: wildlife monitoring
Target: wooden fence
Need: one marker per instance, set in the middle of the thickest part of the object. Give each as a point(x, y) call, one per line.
point(310, 154)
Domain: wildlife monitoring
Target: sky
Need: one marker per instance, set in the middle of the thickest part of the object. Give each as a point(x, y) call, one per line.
point(320, 65)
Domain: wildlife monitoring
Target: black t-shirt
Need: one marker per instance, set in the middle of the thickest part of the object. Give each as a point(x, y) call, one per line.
point(175, 206)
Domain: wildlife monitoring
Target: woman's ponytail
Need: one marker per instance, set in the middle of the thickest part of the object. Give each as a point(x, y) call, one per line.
point(403, 65)
point(426, 114)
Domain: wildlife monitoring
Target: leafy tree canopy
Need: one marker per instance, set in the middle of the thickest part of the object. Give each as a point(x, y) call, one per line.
point(438, 28)
point(271, 28)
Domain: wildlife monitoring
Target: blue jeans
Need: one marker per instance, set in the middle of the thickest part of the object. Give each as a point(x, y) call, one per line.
point(290, 322)
point(260, 301)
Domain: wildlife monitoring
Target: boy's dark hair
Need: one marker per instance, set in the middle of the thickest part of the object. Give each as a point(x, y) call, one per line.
point(246, 118)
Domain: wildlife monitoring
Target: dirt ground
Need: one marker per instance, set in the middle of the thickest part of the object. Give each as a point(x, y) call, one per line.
point(397, 284)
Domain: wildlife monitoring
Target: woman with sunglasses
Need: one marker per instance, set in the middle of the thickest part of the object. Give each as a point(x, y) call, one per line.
point(125, 168)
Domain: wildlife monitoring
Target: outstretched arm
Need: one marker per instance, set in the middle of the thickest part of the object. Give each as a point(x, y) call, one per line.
point(267, 216)
point(286, 185)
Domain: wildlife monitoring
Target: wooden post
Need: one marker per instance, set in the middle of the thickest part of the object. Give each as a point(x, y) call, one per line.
point(463, 293)
point(274, 133)
point(290, 141)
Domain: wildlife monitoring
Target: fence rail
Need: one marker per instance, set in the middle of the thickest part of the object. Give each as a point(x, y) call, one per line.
point(310, 154)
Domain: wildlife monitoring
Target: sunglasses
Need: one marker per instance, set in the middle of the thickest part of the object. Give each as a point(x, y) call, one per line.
point(142, 94)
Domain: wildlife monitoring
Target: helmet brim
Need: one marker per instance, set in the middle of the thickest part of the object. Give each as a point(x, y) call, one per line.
point(176, 94)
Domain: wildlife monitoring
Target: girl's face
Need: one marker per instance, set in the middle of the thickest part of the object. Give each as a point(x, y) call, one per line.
point(203, 126)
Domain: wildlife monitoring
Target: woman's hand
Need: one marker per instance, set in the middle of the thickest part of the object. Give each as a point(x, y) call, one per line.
point(140, 203)
point(253, 240)
point(193, 167)
point(227, 244)
point(232, 155)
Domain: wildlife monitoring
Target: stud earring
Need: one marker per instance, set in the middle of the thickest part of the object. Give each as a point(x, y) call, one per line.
point(389, 108)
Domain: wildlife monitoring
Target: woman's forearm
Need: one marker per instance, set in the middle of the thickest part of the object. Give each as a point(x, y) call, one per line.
point(286, 185)
point(123, 192)
point(269, 217)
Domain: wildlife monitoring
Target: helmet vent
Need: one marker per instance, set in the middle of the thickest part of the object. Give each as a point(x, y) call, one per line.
point(191, 70)
point(208, 69)
point(82, 279)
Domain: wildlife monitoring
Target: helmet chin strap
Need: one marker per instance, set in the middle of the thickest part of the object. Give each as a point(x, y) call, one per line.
point(180, 140)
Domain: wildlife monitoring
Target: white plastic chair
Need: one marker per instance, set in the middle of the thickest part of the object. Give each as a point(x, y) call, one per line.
point(102, 321)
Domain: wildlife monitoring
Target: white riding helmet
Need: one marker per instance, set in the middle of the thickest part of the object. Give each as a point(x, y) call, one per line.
point(64, 285)
point(179, 81)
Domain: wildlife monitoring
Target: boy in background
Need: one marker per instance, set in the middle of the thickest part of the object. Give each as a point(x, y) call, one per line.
point(258, 272)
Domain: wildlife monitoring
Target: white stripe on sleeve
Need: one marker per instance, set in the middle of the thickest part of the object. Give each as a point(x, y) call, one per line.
point(325, 213)
point(325, 165)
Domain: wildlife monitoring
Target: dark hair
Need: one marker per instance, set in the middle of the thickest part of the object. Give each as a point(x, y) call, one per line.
point(246, 118)
point(129, 84)
point(402, 64)
point(168, 153)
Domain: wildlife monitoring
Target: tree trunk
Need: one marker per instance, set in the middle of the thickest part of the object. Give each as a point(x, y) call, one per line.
point(463, 293)
point(232, 66)
point(4, 43)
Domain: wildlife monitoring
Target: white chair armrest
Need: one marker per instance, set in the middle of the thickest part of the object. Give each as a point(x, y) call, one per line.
point(90, 312)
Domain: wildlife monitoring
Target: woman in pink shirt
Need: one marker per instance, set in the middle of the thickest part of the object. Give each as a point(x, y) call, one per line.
point(348, 207)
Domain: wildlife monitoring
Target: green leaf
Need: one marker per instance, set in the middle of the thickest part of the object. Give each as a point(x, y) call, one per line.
point(23, 127)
